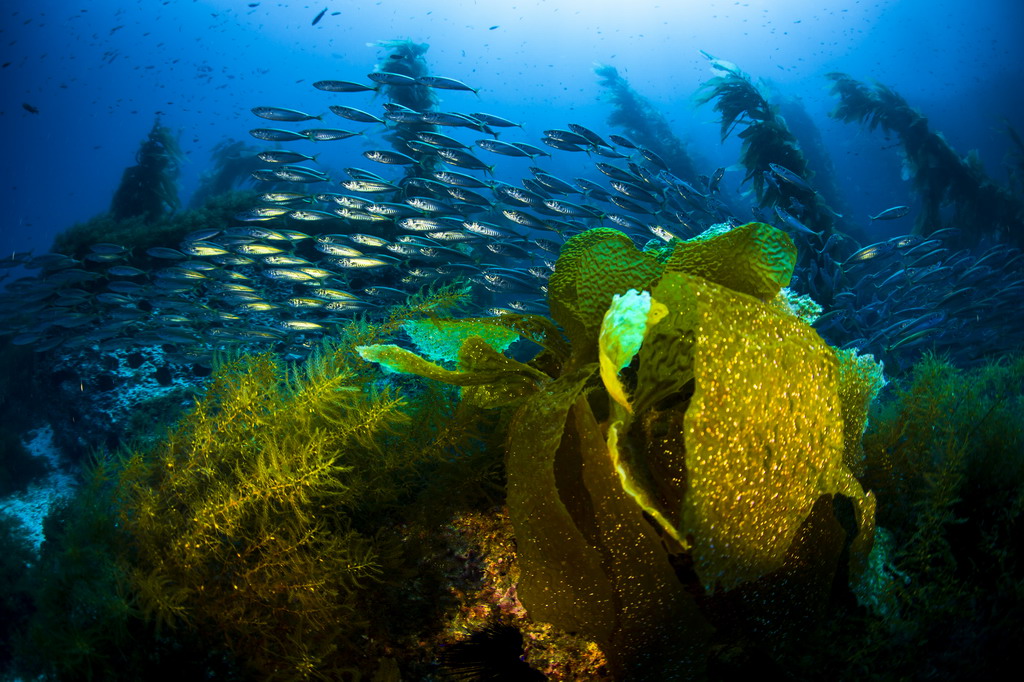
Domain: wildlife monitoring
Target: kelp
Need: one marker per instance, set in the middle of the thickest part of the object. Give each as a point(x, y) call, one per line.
point(231, 165)
point(813, 147)
point(643, 123)
point(766, 140)
point(706, 480)
point(149, 190)
point(955, 191)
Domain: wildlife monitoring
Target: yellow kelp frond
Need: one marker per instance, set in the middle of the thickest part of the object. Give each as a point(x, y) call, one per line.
point(625, 325)
point(860, 380)
point(592, 267)
point(764, 437)
point(755, 259)
point(439, 340)
point(495, 380)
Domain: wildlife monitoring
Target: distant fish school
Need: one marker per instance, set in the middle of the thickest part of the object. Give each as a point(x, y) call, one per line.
point(440, 218)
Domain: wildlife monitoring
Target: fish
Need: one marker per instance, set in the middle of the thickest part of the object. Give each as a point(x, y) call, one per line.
point(390, 157)
point(443, 83)
point(280, 114)
point(277, 135)
point(591, 137)
point(284, 156)
point(495, 121)
point(318, 17)
point(353, 114)
point(327, 134)
point(790, 178)
point(791, 222)
point(343, 86)
point(891, 213)
point(390, 78)
point(503, 148)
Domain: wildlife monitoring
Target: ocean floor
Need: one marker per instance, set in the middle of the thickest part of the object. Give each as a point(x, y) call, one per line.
point(32, 505)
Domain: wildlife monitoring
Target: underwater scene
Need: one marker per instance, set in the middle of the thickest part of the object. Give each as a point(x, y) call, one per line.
point(458, 341)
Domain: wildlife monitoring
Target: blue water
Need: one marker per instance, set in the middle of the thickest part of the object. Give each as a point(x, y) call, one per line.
point(98, 73)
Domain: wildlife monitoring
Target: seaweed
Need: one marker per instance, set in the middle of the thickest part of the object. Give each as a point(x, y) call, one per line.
point(639, 503)
point(941, 177)
point(766, 141)
point(232, 164)
point(139, 233)
point(149, 190)
point(944, 453)
point(643, 123)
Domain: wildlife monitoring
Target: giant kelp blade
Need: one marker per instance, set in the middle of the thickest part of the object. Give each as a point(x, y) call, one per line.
point(659, 633)
point(563, 580)
point(755, 259)
point(764, 436)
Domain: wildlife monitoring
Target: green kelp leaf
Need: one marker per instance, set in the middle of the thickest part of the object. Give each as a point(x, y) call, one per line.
point(536, 328)
point(625, 324)
point(764, 437)
point(755, 259)
point(562, 294)
point(563, 581)
point(492, 378)
point(666, 356)
point(513, 379)
point(593, 266)
point(439, 340)
point(659, 633)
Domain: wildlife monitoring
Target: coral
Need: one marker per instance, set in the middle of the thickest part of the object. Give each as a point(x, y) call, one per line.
point(745, 496)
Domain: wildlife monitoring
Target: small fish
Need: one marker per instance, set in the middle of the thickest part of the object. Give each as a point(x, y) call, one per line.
point(790, 177)
point(124, 271)
point(262, 213)
point(327, 134)
point(389, 157)
point(496, 121)
point(317, 18)
point(353, 114)
point(361, 262)
point(343, 86)
point(870, 252)
point(443, 83)
point(284, 156)
point(653, 158)
point(288, 275)
point(29, 108)
point(390, 78)
point(623, 141)
point(499, 147)
point(280, 114)
point(368, 186)
point(589, 134)
point(301, 326)
point(457, 157)
point(716, 178)
point(891, 213)
point(567, 136)
point(165, 253)
point(791, 222)
point(277, 135)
